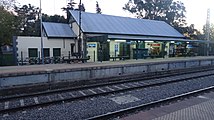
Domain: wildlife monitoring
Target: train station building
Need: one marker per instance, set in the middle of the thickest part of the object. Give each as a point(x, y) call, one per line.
point(106, 38)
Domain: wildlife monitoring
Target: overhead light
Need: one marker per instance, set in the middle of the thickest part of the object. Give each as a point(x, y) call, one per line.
point(149, 41)
point(120, 40)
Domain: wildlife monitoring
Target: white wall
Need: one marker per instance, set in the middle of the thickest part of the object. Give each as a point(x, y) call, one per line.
point(23, 43)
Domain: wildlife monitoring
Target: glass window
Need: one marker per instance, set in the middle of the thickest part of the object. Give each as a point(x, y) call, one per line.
point(46, 52)
point(33, 52)
point(56, 52)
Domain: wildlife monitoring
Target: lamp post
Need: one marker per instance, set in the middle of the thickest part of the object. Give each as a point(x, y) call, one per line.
point(208, 31)
point(42, 50)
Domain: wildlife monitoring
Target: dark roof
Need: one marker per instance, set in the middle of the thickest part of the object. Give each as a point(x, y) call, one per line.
point(58, 30)
point(107, 24)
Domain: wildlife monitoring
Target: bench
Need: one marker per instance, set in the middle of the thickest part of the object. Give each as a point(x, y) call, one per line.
point(75, 60)
point(119, 57)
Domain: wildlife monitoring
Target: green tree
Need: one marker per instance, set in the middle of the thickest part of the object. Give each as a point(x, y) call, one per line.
point(8, 28)
point(98, 9)
point(53, 18)
point(169, 11)
point(29, 17)
point(71, 6)
point(7, 4)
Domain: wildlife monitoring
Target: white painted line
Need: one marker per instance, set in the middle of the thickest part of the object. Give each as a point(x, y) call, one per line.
point(6, 105)
point(40, 108)
point(125, 86)
point(6, 115)
point(82, 93)
point(118, 87)
point(71, 94)
point(110, 88)
point(22, 102)
point(101, 89)
point(60, 96)
point(36, 100)
point(92, 91)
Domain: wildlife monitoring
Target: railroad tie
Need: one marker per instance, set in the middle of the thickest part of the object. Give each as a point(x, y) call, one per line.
point(6, 105)
point(82, 93)
point(110, 88)
point(92, 91)
point(101, 89)
point(36, 100)
point(22, 102)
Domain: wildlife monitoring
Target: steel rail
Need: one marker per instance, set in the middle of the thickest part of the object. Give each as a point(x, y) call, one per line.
point(98, 94)
point(134, 108)
point(122, 79)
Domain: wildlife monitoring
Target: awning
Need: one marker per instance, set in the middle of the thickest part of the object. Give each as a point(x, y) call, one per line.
point(145, 38)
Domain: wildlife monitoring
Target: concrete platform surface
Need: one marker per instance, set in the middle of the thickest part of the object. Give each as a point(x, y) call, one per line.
point(194, 108)
point(47, 67)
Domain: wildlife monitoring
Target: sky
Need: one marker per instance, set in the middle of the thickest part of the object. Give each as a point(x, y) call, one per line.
point(196, 9)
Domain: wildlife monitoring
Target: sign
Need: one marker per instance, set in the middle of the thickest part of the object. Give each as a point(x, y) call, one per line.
point(91, 45)
point(155, 45)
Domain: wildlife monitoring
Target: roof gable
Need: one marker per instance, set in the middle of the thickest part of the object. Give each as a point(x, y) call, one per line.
point(107, 24)
point(58, 30)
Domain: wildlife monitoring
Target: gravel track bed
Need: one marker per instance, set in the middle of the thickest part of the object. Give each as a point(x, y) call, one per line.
point(100, 105)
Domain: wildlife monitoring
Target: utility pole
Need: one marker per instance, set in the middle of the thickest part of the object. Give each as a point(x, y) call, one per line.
point(208, 31)
point(80, 35)
point(42, 50)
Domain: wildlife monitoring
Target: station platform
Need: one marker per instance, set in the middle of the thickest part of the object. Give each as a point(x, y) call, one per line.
point(200, 107)
point(39, 68)
point(52, 74)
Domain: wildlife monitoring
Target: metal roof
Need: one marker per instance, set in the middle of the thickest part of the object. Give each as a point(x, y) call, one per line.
point(58, 30)
point(107, 24)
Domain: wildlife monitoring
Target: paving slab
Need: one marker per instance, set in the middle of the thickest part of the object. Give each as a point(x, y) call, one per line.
point(194, 108)
point(48, 67)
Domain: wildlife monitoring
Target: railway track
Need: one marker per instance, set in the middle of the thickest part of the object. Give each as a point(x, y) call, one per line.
point(20, 103)
point(111, 115)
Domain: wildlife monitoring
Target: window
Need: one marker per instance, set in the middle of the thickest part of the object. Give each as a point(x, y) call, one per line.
point(33, 52)
point(46, 52)
point(56, 52)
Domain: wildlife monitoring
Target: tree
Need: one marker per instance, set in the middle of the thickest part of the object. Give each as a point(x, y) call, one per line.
point(71, 6)
point(29, 17)
point(8, 28)
point(190, 32)
point(7, 4)
point(98, 9)
point(54, 18)
point(165, 10)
